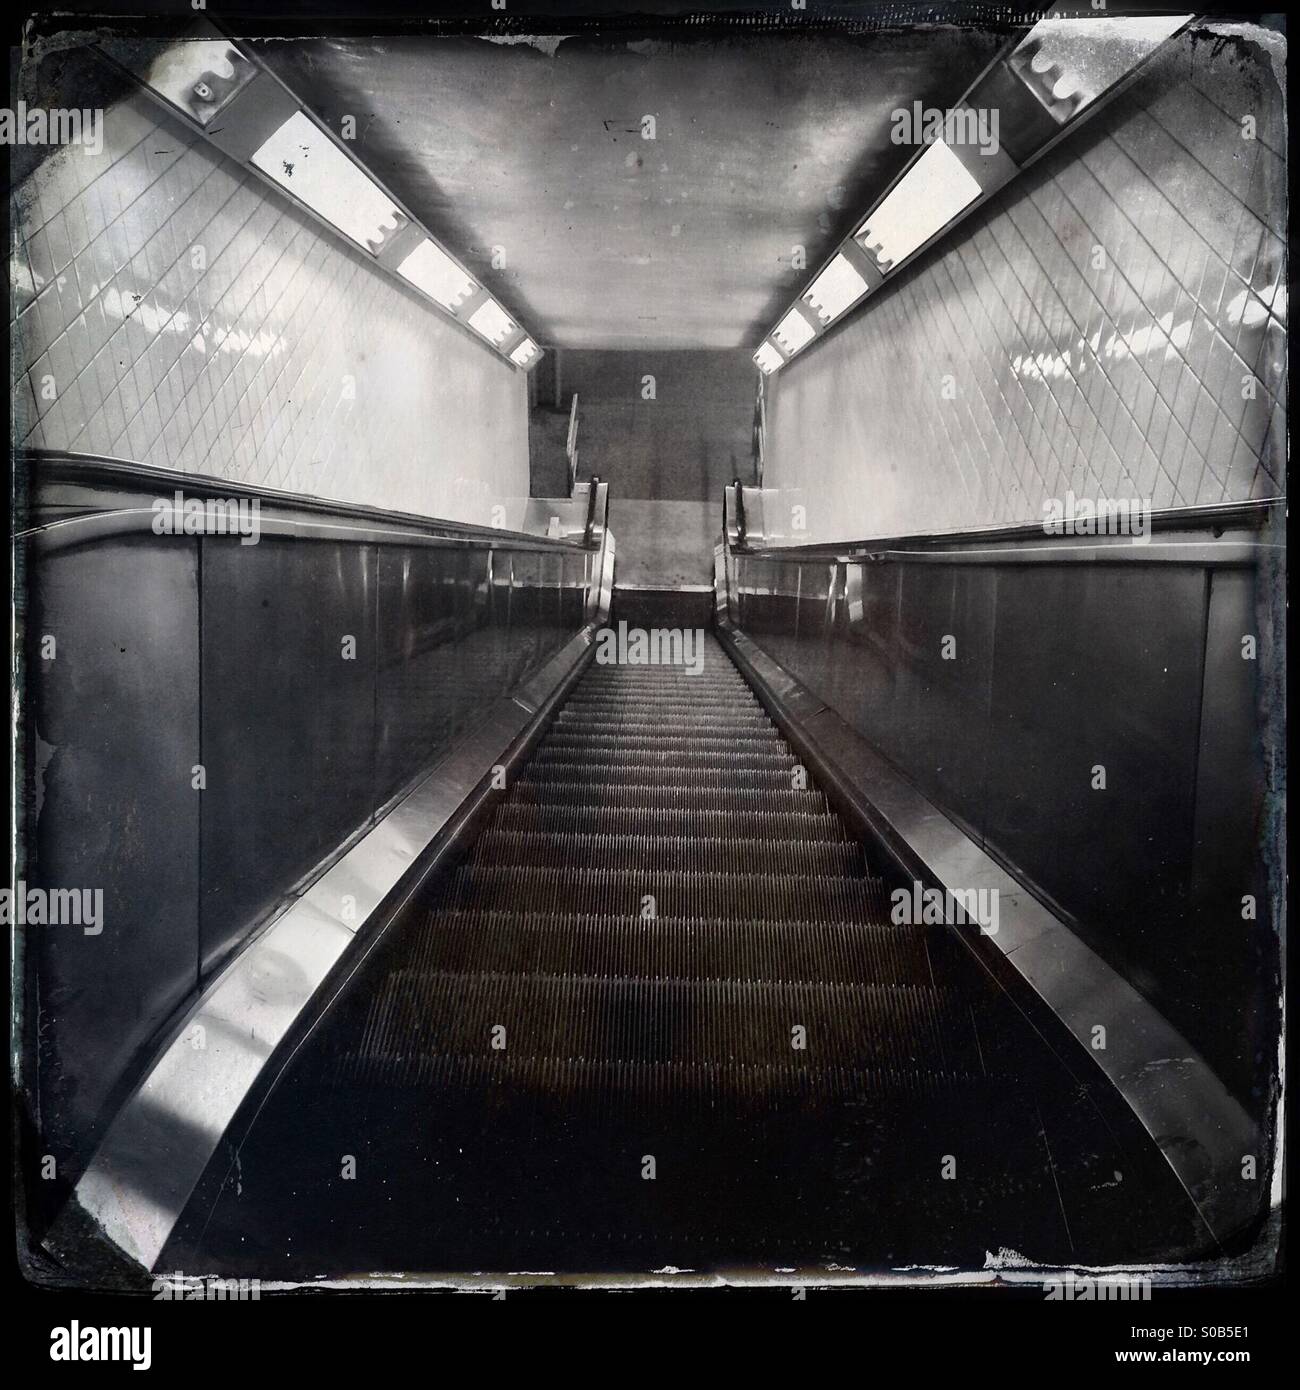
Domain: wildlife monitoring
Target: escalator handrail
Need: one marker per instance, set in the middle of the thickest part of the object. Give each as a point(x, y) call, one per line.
point(589, 528)
point(283, 513)
point(1000, 544)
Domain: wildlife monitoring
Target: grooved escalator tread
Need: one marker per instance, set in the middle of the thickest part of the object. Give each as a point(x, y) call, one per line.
point(709, 822)
point(689, 775)
point(539, 791)
point(557, 850)
point(672, 948)
point(676, 893)
point(419, 1014)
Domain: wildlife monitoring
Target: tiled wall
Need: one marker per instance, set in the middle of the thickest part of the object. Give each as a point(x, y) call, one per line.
point(1124, 381)
point(285, 361)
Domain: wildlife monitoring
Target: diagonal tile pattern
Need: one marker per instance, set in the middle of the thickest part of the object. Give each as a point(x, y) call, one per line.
point(179, 314)
point(1094, 326)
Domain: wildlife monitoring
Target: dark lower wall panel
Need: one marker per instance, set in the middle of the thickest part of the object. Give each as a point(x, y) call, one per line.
point(904, 650)
point(111, 732)
point(1232, 830)
point(1113, 692)
point(929, 651)
point(423, 610)
point(458, 628)
point(304, 682)
point(1005, 691)
point(289, 659)
point(537, 609)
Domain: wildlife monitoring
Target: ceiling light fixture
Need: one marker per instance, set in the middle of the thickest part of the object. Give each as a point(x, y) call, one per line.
point(1066, 64)
point(306, 163)
point(264, 127)
point(492, 321)
point(431, 269)
point(793, 332)
point(198, 78)
point(768, 359)
point(936, 188)
point(838, 286)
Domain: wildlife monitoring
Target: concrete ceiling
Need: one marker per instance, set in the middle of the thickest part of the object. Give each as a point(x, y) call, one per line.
point(763, 143)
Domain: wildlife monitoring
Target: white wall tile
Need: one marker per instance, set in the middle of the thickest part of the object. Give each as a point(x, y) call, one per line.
point(1124, 382)
point(238, 370)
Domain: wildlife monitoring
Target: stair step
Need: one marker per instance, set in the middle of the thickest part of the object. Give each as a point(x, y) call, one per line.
point(690, 689)
point(645, 703)
point(700, 1089)
point(723, 709)
point(745, 760)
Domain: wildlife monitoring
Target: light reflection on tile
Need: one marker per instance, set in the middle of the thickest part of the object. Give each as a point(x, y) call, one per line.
point(1127, 376)
point(278, 357)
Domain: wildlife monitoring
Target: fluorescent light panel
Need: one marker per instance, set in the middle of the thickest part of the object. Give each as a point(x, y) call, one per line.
point(793, 332)
point(430, 269)
point(935, 188)
point(202, 74)
point(304, 161)
point(835, 288)
point(492, 321)
point(768, 359)
point(1070, 62)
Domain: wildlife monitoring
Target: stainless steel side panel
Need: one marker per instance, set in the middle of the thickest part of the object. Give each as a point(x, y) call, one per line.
point(219, 722)
point(1093, 725)
point(426, 610)
point(1200, 1128)
point(289, 662)
point(167, 1132)
point(110, 734)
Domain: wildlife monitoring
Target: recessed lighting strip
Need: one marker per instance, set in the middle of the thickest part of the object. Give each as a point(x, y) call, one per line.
point(1034, 93)
point(203, 76)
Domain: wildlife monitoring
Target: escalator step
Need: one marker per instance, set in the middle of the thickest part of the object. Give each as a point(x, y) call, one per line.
point(533, 791)
point(726, 854)
point(595, 773)
point(663, 682)
point(640, 1087)
point(418, 1014)
point(623, 893)
point(618, 708)
point(618, 761)
point(586, 819)
point(626, 714)
point(671, 948)
point(598, 778)
point(617, 968)
point(663, 742)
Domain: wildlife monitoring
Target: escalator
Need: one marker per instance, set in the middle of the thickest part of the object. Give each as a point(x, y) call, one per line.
point(659, 1016)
